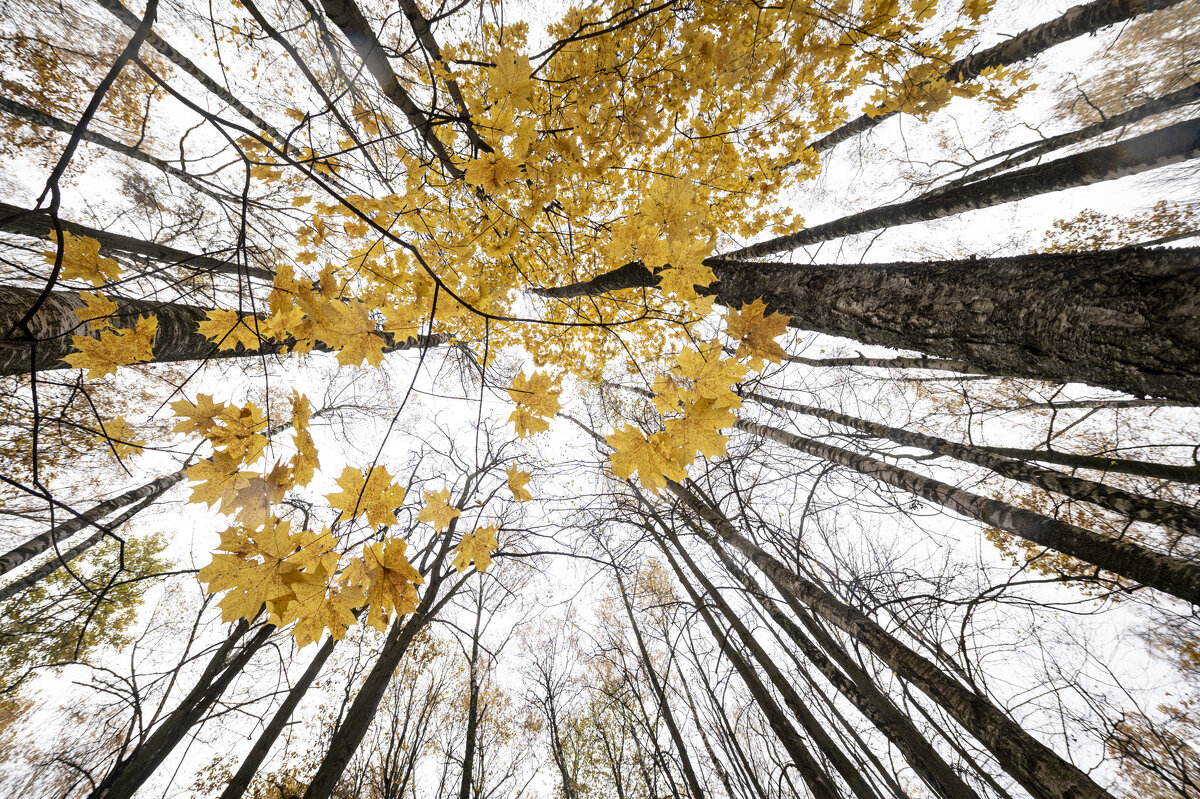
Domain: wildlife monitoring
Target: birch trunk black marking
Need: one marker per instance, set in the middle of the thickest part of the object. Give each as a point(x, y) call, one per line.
point(1169, 145)
point(25, 222)
point(1131, 506)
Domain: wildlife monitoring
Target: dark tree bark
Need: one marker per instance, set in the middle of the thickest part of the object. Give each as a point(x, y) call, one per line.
point(349, 733)
point(262, 745)
point(37, 224)
point(177, 338)
point(1169, 145)
point(1132, 506)
point(814, 776)
point(1128, 320)
point(1036, 767)
point(1075, 21)
point(1171, 575)
point(347, 16)
point(1101, 463)
point(211, 85)
point(128, 775)
point(41, 118)
point(858, 687)
point(469, 745)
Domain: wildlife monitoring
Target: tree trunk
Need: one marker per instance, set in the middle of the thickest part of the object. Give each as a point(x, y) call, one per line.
point(1037, 768)
point(1128, 320)
point(1168, 145)
point(41, 118)
point(347, 16)
point(814, 776)
point(128, 776)
point(858, 687)
point(1076, 21)
point(1132, 506)
point(262, 746)
point(22, 553)
point(25, 222)
point(660, 695)
point(177, 338)
point(464, 791)
point(1174, 576)
point(1101, 463)
point(1035, 150)
point(52, 565)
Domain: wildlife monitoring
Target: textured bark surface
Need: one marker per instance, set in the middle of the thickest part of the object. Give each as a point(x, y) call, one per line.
point(177, 338)
point(1131, 506)
point(858, 687)
point(1169, 145)
point(1035, 766)
point(200, 76)
point(1171, 575)
point(1075, 21)
point(1127, 320)
point(262, 745)
point(33, 115)
point(1100, 463)
point(54, 564)
point(37, 224)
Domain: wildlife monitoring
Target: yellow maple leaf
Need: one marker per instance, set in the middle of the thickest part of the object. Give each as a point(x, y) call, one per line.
point(255, 498)
point(220, 479)
point(699, 429)
point(196, 417)
point(477, 547)
point(114, 348)
point(492, 172)
point(237, 432)
point(98, 311)
point(391, 581)
point(711, 376)
point(117, 434)
point(253, 567)
point(374, 496)
point(535, 398)
point(82, 260)
point(517, 480)
point(756, 333)
point(229, 329)
point(655, 459)
point(512, 79)
point(438, 511)
point(305, 463)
